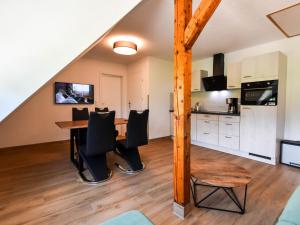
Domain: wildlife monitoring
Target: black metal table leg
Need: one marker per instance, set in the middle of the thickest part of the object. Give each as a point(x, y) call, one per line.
point(229, 191)
point(72, 148)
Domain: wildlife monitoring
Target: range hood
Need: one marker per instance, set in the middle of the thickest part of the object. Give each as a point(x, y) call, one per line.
point(218, 81)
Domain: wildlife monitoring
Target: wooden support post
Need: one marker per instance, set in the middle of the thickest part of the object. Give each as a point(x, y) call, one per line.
point(182, 108)
point(187, 30)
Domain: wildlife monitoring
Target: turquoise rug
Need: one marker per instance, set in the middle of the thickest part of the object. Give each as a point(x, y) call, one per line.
point(129, 218)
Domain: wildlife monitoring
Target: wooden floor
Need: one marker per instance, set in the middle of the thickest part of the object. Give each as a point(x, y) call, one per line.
point(38, 185)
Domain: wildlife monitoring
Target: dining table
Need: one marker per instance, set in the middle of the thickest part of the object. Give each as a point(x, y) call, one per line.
point(72, 126)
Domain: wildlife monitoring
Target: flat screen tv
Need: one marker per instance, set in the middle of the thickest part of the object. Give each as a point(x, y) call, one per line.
point(70, 93)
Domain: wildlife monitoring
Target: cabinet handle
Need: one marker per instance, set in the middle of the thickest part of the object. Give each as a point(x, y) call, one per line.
point(229, 124)
point(228, 137)
point(206, 121)
point(205, 133)
point(231, 86)
point(228, 117)
point(246, 76)
point(245, 108)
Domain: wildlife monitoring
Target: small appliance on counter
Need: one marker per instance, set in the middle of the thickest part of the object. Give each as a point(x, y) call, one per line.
point(197, 107)
point(232, 105)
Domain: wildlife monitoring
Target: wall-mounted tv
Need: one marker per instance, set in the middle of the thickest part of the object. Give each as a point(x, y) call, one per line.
point(71, 93)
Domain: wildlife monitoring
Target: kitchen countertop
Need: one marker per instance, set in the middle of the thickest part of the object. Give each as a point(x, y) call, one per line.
point(214, 113)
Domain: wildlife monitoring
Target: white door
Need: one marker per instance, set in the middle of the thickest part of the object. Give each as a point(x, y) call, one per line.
point(111, 93)
point(111, 96)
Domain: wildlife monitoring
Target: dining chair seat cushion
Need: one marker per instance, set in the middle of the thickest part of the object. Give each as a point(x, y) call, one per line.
point(129, 218)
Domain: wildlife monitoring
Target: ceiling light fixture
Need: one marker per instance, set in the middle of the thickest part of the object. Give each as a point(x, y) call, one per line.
point(125, 47)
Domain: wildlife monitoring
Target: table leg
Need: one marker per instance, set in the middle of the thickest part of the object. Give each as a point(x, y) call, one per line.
point(230, 194)
point(72, 148)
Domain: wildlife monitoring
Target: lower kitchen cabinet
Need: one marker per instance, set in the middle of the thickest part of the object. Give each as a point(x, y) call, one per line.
point(258, 130)
point(207, 129)
point(206, 137)
point(194, 127)
point(231, 142)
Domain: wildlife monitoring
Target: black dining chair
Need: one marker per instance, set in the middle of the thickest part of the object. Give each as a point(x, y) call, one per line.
point(80, 133)
point(100, 140)
point(137, 135)
point(105, 109)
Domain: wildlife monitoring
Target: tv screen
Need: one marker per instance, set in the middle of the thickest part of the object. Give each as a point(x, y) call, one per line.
point(70, 93)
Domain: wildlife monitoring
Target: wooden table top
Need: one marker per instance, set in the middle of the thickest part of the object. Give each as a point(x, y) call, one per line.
point(84, 123)
point(220, 173)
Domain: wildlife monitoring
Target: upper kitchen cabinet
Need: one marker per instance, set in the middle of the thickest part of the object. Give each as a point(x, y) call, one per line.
point(234, 76)
point(197, 76)
point(262, 67)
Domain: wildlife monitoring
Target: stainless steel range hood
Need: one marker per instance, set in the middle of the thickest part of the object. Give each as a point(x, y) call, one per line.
point(218, 81)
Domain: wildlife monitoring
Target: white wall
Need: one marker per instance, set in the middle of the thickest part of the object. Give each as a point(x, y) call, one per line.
point(160, 87)
point(291, 48)
point(152, 77)
point(34, 121)
point(39, 38)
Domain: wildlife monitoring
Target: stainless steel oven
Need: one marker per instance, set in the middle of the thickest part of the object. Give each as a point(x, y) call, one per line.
point(260, 93)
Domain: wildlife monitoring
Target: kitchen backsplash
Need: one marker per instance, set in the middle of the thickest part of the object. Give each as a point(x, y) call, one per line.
point(214, 100)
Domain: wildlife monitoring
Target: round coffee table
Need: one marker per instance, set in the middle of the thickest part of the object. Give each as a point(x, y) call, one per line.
point(219, 175)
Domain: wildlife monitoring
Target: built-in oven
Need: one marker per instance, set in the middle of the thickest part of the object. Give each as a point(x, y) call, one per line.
point(260, 93)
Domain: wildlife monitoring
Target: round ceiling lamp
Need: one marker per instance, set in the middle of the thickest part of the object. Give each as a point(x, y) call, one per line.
point(125, 47)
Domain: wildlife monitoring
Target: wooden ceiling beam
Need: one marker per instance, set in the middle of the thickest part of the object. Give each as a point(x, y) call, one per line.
point(197, 23)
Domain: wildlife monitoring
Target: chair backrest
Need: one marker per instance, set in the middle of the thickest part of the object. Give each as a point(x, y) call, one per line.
point(105, 109)
point(80, 114)
point(137, 132)
point(101, 133)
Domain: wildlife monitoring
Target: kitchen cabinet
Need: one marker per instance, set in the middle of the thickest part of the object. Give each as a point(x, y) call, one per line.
point(262, 67)
point(197, 76)
point(258, 130)
point(234, 76)
point(207, 129)
point(229, 132)
point(194, 127)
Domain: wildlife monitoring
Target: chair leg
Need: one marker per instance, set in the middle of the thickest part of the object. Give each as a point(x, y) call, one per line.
point(97, 167)
point(80, 164)
point(133, 159)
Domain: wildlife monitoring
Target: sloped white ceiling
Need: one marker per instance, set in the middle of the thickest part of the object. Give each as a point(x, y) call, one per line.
point(236, 24)
point(39, 38)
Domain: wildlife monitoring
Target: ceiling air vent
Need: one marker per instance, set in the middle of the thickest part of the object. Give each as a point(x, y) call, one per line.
point(287, 20)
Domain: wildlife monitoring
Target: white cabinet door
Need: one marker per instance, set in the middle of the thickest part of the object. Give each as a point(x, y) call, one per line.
point(207, 131)
point(258, 130)
point(267, 66)
point(208, 138)
point(194, 127)
point(196, 81)
point(262, 67)
point(229, 128)
point(234, 76)
point(228, 141)
point(248, 69)
point(207, 126)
